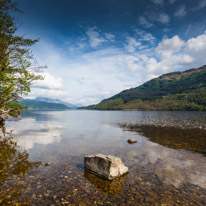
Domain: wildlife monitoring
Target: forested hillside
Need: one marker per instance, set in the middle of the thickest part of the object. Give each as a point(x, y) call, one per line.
point(173, 91)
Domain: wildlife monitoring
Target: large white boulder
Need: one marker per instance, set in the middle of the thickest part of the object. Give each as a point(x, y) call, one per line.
point(105, 166)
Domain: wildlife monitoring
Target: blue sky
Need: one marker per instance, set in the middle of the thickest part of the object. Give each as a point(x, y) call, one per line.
point(97, 48)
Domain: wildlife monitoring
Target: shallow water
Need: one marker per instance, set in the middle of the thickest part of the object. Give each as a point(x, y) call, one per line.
point(166, 165)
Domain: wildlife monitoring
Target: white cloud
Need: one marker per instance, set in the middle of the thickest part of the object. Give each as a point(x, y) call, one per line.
point(181, 12)
point(51, 86)
point(53, 93)
point(95, 37)
point(132, 45)
point(196, 47)
point(170, 54)
point(163, 18)
point(175, 54)
point(145, 36)
point(50, 82)
point(144, 22)
point(170, 45)
point(141, 41)
point(109, 36)
point(133, 63)
point(197, 44)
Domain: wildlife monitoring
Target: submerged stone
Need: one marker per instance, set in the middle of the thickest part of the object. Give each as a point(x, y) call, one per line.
point(131, 141)
point(105, 166)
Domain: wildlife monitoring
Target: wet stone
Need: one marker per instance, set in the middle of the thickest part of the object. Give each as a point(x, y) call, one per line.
point(132, 141)
point(105, 166)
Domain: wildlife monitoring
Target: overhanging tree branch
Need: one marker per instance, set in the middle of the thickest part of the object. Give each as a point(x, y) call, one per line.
point(16, 58)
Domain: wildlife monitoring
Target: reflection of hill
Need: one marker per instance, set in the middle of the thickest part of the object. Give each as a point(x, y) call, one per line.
point(173, 137)
point(109, 187)
point(14, 165)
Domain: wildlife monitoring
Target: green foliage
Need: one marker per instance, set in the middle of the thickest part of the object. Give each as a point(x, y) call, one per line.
point(175, 91)
point(90, 107)
point(15, 58)
point(114, 104)
point(158, 88)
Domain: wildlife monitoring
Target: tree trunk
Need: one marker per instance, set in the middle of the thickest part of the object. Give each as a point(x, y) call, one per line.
point(4, 114)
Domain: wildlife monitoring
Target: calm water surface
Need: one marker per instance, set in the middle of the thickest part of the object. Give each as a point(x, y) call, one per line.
point(167, 166)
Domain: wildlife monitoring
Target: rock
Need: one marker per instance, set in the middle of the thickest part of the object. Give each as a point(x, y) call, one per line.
point(105, 166)
point(131, 141)
point(47, 164)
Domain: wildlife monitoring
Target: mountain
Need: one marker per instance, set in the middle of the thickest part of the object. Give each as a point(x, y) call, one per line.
point(57, 101)
point(79, 105)
point(173, 91)
point(33, 104)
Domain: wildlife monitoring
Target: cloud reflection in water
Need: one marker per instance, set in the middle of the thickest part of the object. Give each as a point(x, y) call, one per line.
point(29, 132)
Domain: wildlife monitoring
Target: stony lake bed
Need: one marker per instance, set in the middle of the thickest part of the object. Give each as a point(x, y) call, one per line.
point(166, 165)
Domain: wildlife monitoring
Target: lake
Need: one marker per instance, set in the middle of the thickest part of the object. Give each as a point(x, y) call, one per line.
point(166, 166)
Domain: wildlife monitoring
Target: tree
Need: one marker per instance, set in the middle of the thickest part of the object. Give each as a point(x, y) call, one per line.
point(16, 59)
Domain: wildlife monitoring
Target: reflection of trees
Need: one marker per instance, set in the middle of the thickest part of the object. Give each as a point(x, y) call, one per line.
point(14, 165)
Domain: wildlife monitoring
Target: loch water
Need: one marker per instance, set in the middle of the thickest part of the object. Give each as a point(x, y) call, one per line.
point(41, 162)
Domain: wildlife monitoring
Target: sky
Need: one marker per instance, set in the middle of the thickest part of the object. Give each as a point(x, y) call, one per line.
point(94, 49)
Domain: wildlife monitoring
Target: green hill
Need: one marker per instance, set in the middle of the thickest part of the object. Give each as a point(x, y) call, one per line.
point(173, 91)
point(32, 104)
